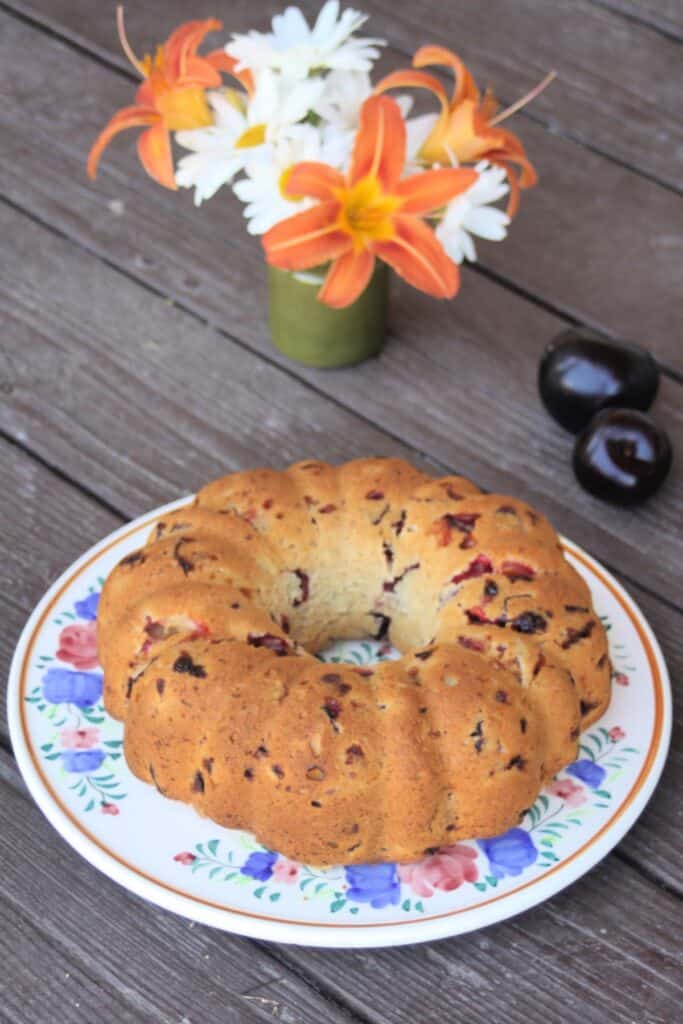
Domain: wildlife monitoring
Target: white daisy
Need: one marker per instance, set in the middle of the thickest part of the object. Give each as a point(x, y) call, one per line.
point(470, 214)
point(241, 130)
point(344, 94)
point(293, 46)
point(263, 189)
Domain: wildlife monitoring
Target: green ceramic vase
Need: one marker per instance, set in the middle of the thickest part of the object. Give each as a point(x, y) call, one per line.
point(310, 332)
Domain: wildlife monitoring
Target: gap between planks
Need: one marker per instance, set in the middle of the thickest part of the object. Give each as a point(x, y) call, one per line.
point(660, 28)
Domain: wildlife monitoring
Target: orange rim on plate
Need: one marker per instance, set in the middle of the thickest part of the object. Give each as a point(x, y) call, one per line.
point(658, 745)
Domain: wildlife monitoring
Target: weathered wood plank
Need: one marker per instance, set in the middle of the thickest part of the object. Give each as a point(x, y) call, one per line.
point(606, 98)
point(39, 977)
point(72, 938)
point(617, 930)
point(572, 244)
point(49, 523)
point(665, 15)
point(116, 379)
point(596, 954)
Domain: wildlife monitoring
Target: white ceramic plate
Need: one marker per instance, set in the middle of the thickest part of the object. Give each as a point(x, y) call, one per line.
point(69, 752)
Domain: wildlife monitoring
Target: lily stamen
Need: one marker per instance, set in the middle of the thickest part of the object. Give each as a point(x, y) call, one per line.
point(518, 104)
point(125, 45)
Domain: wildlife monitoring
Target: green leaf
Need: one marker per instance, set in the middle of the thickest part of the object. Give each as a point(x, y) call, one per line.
point(546, 842)
point(603, 793)
point(600, 805)
point(420, 906)
point(319, 887)
point(630, 750)
point(543, 800)
point(587, 751)
point(406, 905)
point(215, 871)
point(305, 882)
point(274, 897)
point(46, 746)
point(353, 910)
point(113, 743)
point(89, 806)
point(229, 876)
point(492, 880)
point(212, 846)
point(481, 886)
point(337, 905)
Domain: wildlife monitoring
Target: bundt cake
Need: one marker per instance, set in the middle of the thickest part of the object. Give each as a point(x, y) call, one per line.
point(207, 637)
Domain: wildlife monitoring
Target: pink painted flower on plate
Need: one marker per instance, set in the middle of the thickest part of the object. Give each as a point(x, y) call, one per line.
point(621, 679)
point(568, 791)
point(185, 857)
point(79, 739)
point(446, 870)
point(616, 733)
point(285, 870)
point(109, 809)
point(78, 645)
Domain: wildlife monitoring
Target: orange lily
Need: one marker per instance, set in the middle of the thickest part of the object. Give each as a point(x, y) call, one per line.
point(467, 127)
point(171, 97)
point(369, 213)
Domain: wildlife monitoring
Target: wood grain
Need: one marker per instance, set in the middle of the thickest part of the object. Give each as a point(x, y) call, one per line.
point(572, 246)
point(664, 15)
point(86, 929)
point(518, 970)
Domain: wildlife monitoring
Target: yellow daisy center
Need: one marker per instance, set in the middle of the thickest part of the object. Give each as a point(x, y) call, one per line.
point(253, 136)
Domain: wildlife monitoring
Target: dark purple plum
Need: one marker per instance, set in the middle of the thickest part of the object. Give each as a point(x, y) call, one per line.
point(622, 456)
point(581, 373)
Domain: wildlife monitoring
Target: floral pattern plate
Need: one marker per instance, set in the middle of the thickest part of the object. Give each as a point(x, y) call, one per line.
point(70, 753)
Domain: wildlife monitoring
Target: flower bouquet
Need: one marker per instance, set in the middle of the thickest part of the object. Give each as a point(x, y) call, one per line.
point(336, 178)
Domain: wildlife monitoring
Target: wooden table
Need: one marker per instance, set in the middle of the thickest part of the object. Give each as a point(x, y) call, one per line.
point(135, 365)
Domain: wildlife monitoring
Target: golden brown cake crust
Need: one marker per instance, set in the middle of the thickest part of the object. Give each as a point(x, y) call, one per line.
point(207, 637)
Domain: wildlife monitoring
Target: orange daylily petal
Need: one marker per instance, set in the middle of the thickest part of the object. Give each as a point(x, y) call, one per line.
point(346, 279)
point(409, 79)
point(313, 179)
point(128, 117)
point(380, 145)
point(418, 257)
point(307, 239)
point(464, 87)
point(430, 190)
point(199, 72)
point(183, 42)
point(220, 60)
point(154, 150)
